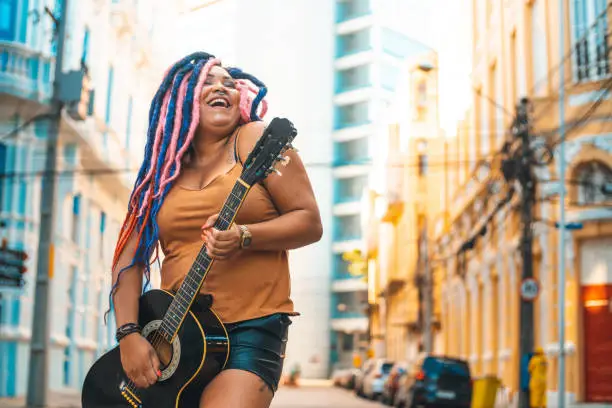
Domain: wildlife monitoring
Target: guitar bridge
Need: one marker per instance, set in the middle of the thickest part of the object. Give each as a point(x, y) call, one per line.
point(129, 396)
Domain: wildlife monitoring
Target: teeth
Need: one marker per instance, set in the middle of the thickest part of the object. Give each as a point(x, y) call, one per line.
point(219, 100)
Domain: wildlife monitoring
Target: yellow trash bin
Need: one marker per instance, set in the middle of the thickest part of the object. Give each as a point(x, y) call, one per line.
point(484, 392)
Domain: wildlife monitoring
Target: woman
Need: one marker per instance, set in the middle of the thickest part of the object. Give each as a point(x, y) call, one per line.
point(203, 123)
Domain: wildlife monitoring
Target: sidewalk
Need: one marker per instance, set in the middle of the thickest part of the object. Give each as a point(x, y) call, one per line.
point(55, 400)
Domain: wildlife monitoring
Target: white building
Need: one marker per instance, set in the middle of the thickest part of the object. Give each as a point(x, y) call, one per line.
point(99, 140)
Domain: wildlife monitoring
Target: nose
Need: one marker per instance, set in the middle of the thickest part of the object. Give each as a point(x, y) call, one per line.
point(218, 87)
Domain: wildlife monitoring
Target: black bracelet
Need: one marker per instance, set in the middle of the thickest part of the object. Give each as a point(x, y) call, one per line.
point(126, 329)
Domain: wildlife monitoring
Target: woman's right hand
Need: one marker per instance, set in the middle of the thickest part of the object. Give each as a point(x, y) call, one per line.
point(139, 360)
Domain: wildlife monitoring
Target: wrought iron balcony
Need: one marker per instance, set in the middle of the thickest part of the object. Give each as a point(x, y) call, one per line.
point(25, 73)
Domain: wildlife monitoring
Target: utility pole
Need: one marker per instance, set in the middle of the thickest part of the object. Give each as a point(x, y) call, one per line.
point(39, 347)
point(427, 292)
point(561, 251)
point(527, 182)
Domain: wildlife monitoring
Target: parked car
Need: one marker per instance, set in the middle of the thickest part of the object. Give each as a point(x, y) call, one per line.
point(391, 384)
point(436, 381)
point(344, 377)
point(374, 378)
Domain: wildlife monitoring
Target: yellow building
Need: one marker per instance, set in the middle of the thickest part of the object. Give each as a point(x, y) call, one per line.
point(403, 213)
point(516, 54)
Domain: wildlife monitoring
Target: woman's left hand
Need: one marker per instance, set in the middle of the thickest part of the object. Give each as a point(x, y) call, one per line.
point(220, 244)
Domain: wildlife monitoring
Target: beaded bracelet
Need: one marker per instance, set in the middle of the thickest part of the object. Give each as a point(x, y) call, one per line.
point(126, 329)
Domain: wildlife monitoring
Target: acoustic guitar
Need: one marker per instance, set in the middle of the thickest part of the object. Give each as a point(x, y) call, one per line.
point(189, 338)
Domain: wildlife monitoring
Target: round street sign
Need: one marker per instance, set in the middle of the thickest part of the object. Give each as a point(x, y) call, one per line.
point(530, 289)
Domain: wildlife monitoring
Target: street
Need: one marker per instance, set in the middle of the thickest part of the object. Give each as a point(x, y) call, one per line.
point(304, 397)
point(314, 397)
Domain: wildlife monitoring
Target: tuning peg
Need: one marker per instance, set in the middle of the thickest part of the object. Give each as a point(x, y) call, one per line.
point(284, 160)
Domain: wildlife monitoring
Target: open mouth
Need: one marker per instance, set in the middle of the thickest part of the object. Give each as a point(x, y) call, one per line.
point(219, 102)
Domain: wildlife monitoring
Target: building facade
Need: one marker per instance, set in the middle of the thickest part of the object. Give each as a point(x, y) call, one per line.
point(100, 147)
point(404, 211)
point(368, 62)
point(516, 54)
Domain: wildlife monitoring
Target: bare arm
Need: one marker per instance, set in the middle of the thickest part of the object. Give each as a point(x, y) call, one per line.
point(300, 222)
point(130, 286)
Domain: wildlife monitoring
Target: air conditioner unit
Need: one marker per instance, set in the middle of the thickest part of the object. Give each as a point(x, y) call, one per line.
point(75, 94)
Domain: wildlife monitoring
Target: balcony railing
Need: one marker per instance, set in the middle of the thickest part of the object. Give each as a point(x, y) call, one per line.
point(25, 73)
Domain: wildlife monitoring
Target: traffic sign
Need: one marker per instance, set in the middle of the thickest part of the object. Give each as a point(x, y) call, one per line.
point(12, 266)
point(16, 283)
point(530, 289)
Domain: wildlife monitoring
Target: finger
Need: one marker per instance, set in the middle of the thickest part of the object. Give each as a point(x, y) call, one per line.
point(151, 376)
point(210, 221)
point(141, 382)
point(226, 236)
point(224, 245)
point(224, 253)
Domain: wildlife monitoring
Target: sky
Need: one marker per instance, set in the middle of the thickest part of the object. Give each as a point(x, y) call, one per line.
point(445, 25)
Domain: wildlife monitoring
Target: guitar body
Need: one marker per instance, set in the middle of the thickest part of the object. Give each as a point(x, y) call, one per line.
point(198, 353)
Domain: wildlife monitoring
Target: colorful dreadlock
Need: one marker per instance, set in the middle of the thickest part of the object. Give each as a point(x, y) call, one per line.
point(173, 119)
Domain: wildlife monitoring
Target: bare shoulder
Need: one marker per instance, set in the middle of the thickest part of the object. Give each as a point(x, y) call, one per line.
point(249, 135)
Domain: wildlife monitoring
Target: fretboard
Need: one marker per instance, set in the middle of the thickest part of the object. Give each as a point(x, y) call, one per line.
point(190, 287)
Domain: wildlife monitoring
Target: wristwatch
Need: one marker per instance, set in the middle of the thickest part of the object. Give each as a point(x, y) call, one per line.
point(245, 236)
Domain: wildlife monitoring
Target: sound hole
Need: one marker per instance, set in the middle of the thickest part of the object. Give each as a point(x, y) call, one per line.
point(169, 354)
point(162, 348)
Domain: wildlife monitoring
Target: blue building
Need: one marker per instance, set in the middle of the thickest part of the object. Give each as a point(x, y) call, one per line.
point(368, 64)
point(100, 145)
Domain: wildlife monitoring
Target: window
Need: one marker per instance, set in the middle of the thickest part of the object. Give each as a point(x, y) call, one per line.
point(350, 188)
point(348, 342)
point(76, 209)
point(352, 151)
point(513, 68)
point(348, 227)
point(496, 112)
point(341, 267)
point(353, 78)
point(420, 101)
point(109, 94)
point(422, 165)
point(539, 47)
point(591, 60)
point(8, 9)
point(349, 9)
point(85, 54)
point(70, 315)
point(354, 42)
point(594, 179)
point(484, 132)
point(353, 114)
point(102, 230)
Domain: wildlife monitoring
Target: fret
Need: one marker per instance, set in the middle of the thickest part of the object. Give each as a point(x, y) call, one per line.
point(174, 318)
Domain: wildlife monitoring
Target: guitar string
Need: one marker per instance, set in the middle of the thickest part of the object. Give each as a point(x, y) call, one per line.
point(231, 202)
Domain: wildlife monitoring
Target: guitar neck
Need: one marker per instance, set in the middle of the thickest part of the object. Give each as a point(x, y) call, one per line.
point(192, 283)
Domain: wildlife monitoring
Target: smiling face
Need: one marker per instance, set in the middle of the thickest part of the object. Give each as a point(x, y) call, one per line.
point(219, 102)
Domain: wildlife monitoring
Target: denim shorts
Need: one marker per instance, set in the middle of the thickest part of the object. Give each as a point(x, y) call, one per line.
point(258, 346)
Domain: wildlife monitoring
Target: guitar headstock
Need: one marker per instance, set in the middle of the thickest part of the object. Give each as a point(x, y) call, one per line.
point(275, 140)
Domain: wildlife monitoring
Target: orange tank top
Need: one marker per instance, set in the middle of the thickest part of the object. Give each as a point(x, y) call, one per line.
point(251, 284)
